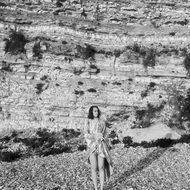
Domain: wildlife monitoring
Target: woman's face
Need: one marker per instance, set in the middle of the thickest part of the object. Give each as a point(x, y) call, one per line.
point(95, 112)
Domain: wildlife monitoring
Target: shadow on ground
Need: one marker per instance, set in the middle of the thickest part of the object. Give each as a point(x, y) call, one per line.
point(142, 164)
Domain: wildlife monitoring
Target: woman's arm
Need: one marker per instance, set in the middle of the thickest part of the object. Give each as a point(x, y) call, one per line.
point(87, 133)
point(104, 128)
point(105, 134)
point(101, 130)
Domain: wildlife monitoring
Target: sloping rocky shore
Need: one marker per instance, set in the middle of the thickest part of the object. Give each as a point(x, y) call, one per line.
point(134, 168)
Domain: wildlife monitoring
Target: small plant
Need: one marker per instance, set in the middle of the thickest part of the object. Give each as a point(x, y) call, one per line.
point(112, 134)
point(82, 147)
point(150, 58)
point(114, 137)
point(94, 69)
point(9, 156)
point(2, 4)
point(117, 53)
point(44, 77)
point(6, 67)
point(37, 53)
point(5, 139)
point(115, 141)
point(78, 71)
point(127, 141)
point(80, 83)
point(116, 83)
point(16, 43)
point(104, 83)
point(86, 52)
point(151, 86)
point(163, 143)
point(92, 90)
point(186, 63)
point(58, 68)
point(144, 93)
point(39, 88)
point(138, 49)
point(83, 13)
point(79, 92)
point(70, 133)
point(59, 3)
point(68, 59)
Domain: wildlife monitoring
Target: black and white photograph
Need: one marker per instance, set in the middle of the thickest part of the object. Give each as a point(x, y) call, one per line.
point(94, 94)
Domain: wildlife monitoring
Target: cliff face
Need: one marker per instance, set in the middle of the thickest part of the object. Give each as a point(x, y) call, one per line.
point(127, 57)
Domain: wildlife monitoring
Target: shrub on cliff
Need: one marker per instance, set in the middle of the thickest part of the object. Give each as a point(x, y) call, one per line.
point(16, 43)
point(185, 111)
point(86, 52)
point(186, 63)
point(150, 87)
point(37, 53)
point(6, 67)
point(150, 58)
point(144, 117)
point(179, 104)
point(59, 3)
point(148, 54)
point(117, 54)
point(181, 114)
point(137, 48)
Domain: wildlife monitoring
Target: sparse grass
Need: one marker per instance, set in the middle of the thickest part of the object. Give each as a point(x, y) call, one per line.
point(144, 116)
point(163, 143)
point(119, 116)
point(42, 143)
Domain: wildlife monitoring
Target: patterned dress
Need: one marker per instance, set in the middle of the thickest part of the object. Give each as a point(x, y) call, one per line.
point(98, 145)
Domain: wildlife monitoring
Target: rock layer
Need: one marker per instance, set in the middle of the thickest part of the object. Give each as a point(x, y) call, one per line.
point(107, 53)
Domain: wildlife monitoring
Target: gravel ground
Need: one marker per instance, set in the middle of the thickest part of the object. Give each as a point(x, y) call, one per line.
point(134, 168)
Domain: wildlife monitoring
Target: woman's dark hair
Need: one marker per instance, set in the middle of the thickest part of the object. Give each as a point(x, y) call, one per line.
point(90, 113)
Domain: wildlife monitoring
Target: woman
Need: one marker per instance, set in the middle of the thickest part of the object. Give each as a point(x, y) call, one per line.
point(98, 150)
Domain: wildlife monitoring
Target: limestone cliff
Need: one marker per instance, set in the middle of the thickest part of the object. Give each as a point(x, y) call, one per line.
point(128, 57)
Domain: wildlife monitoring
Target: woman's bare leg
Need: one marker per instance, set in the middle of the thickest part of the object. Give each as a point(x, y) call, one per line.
point(94, 167)
point(101, 171)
